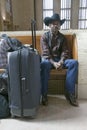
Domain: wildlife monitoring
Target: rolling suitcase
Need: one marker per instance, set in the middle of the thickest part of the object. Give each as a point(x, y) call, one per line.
point(24, 81)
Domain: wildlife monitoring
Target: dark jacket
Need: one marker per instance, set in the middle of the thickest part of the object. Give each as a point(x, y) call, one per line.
point(54, 46)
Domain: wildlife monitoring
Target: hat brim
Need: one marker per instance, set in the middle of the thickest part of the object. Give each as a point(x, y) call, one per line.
point(49, 20)
point(62, 21)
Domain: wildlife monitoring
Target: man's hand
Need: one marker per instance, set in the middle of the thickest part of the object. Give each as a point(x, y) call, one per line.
point(57, 65)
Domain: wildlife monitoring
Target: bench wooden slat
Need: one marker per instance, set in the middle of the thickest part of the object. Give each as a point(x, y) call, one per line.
point(58, 74)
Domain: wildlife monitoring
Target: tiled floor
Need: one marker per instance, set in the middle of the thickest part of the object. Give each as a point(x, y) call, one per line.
point(58, 115)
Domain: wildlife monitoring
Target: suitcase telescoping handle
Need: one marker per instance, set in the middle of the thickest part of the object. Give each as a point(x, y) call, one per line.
point(33, 29)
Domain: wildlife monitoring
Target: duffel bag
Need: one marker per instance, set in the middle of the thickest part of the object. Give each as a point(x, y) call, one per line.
point(4, 107)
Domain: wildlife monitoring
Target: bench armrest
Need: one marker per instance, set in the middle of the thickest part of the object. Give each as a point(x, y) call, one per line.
point(75, 48)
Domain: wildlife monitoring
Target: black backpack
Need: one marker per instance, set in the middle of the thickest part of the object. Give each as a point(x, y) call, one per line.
point(4, 102)
point(4, 83)
point(4, 107)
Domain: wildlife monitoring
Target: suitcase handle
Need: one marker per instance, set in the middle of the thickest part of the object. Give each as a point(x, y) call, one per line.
point(23, 79)
point(33, 28)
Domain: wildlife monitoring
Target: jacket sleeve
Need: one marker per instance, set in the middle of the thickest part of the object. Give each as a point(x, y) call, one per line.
point(45, 50)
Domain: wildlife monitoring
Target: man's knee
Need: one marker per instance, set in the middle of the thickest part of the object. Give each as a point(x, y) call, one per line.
point(45, 64)
point(75, 62)
point(71, 62)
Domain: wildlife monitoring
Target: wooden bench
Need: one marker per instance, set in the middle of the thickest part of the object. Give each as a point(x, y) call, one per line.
point(57, 77)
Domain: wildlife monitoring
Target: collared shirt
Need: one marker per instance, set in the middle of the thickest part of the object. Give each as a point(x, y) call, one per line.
point(4, 47)
point(54, 46)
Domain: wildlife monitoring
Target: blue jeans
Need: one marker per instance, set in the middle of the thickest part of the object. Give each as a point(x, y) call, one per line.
point(71, 76)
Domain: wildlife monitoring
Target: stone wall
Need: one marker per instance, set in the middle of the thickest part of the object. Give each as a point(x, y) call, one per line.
point(82, 59)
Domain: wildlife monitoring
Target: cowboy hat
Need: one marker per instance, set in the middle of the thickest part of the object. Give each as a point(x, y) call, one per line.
point(54, 17)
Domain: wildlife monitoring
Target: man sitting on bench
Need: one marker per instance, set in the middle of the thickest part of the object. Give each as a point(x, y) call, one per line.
point(55, 54)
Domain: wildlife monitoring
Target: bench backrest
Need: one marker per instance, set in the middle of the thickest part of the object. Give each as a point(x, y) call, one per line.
point(71, 41)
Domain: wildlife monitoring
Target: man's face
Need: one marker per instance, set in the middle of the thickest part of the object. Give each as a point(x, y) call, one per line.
point(55, 27)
